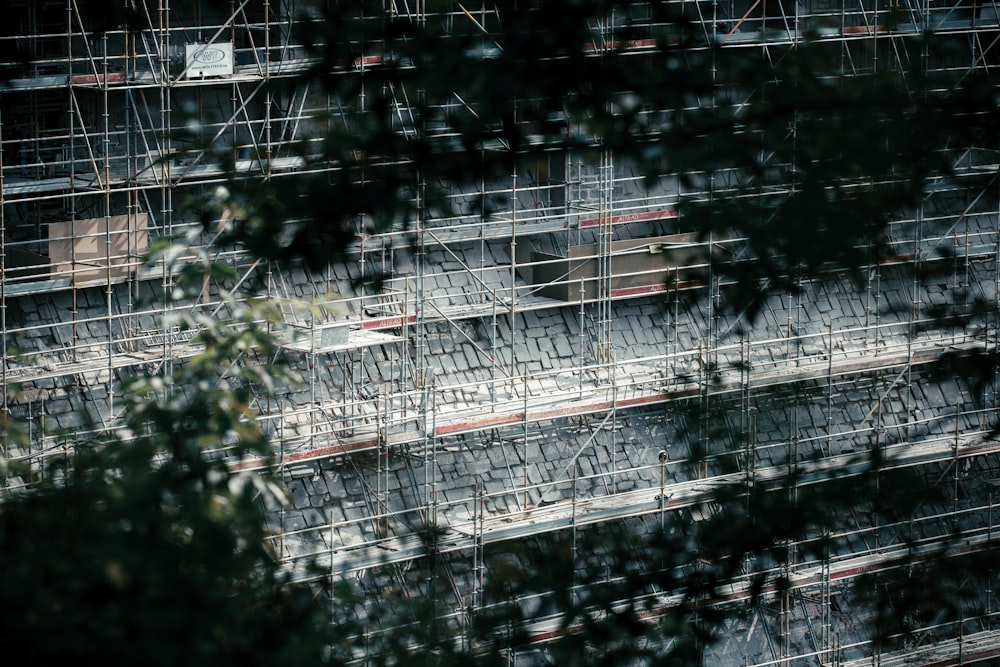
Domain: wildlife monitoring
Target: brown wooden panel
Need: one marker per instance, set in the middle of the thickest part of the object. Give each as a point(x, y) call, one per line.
point(86, 249)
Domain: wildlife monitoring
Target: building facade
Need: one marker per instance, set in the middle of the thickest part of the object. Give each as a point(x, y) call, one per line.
point(551, 356)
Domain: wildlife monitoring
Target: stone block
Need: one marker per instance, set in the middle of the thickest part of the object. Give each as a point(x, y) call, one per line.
point(563, 348)
point(585, 465)
point(444, 364)
point(460, 361)
point(496, 487)
point(297, 493)
point(294, 521)
point(496, 456)
point(57, 406)
point(314, 518)
point(535, 476)
point(478, 467)
point(70, 420)
point(473, 358)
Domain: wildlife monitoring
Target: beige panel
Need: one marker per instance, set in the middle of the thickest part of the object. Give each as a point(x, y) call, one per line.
point(640, 265)
point(80, 249)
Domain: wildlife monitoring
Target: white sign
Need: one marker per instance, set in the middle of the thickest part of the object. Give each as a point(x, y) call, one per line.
point(201, 60)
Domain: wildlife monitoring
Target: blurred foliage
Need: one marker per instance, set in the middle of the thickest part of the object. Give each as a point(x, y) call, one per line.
point(776, 137)
point(145, 547)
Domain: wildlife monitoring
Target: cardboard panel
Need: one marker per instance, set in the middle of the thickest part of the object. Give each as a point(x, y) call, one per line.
point(80, 249)
point(552, 275)
point(639, 266)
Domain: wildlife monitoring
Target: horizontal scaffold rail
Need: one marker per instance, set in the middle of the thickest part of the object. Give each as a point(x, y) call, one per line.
point(577, 512)
point(95, 362)
point(984, 646)
point(967, 649)
point(636, 384)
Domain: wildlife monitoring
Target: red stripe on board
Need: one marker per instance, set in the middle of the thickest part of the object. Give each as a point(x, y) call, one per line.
point(367, 60)
point(388, 322)
point(95, 78)
point(863, 29)
point(665, 214)
point(634, 291)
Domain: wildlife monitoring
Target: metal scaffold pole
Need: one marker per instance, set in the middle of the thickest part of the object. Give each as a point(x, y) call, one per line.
point(604, 258)
point(4, 451)
point(524, 436)
point(513, 272)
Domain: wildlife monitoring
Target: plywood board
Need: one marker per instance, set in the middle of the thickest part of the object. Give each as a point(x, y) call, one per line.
point(86, 249)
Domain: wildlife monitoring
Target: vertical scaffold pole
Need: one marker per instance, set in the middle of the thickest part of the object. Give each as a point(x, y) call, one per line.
point(662, 457)
point(572, 524)
point(513, 271)
point(333, 580)
point(614, 423)
point(430, 440)
point(524, 422)
point(676, 323)
point(604, 254)
point(480, 567)
point(989, 570)
point(829, 389)
point(4, 452)
point(108, 252)
point(380, 430)
point(582, 336)
point(493, 355)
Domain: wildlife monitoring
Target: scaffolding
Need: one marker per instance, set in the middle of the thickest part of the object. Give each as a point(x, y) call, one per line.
point(545, 365)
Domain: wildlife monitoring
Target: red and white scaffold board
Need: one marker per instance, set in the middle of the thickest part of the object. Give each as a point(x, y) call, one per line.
point(626, 218)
